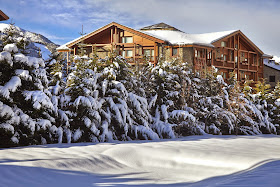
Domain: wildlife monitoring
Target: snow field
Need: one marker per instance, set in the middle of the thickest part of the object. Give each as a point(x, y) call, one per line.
point(196, 161)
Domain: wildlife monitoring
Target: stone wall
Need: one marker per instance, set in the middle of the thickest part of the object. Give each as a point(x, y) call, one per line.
point(184, 53)
point(268, 71)
point(188, 54)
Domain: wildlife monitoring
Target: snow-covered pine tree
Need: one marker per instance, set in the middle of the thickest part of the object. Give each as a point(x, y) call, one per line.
point(167, 86)
point(274, 113)
point(23, 89)
point(210, 103)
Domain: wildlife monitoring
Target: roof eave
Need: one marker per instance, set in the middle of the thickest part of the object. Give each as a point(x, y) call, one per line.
point(239, 31)
point(3, 16)
point(118, 25)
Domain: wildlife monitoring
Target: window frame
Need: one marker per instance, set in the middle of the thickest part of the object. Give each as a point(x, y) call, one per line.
point(271, 78)
point(125, 53)
point(151, 55)
point(172, 52)
point(124, 39)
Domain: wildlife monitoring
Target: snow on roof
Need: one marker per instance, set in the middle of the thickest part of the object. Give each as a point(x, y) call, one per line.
point(276, 59)
point(272, 65)
point(64, 46)
point(173, 36)
point(267, 55)
point(181, 38)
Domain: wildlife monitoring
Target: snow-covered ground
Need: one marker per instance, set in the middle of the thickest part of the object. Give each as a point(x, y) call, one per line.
point(195, 161)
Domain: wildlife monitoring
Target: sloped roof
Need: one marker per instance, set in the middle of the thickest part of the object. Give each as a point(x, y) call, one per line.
point(181, 38)
point(272, 65)
point(159, 26)
point(136, 32)
point(163, 33)
point(3, 16)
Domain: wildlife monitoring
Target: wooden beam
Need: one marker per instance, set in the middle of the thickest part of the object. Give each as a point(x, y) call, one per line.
point(67, 61)
point(238, 61)
point(155, 54)
point(111, 35)
point(211, 57)
point(115, 35)
point(97, 45)
point(3, 16)
point(134, 52)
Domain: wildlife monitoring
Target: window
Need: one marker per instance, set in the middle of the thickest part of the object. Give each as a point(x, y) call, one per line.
point(236, 59)
point(195, 53)
point(209, 55)
point(259, 62)
point(255, 59)
point(236, 46)
point(242, 75)
point(242, 59)
point(127, 53)
point(272, 78)
point(224, 75)
point(225, 57)
point(223, 44)
point(149, 53)
point(127, 39)
point(174, 51)
point(231, 56)
point(218, 53)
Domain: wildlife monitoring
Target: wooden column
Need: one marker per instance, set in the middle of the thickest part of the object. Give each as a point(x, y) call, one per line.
point(134, 52)
point(211, 57)
point(111, 35)
point(238, 61)
point(67, 63)
point(155, 53)
point(248, 60)
point(67, 56)
point(234, 42)
point(257, 67)
point(115, 38)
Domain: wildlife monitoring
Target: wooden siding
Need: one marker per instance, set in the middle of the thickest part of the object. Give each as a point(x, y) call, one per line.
point(237, 53)
point(110, 40)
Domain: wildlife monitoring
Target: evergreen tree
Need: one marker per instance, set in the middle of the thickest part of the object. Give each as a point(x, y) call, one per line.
point(23, 89)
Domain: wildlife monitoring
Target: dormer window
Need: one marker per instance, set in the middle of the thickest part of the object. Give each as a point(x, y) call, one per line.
point(127, 39)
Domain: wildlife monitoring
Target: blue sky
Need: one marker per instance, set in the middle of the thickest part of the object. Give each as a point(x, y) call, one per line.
point(62, 20)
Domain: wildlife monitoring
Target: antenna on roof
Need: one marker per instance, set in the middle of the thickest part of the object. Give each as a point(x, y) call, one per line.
point(81, 44)
point(12, 22)
point(82, 33)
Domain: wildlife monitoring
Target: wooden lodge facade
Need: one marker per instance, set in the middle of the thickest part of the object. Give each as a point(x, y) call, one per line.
point(229, 51)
